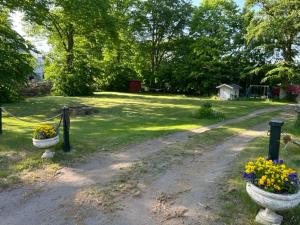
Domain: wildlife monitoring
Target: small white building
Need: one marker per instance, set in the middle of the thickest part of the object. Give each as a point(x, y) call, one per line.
point(229, 92)
point(40, 65)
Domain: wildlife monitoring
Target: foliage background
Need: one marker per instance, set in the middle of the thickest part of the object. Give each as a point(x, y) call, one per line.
point(169, 45)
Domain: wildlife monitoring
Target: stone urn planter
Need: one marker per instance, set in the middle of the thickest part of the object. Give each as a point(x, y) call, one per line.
point(46, 143)
point(271, 202)
point(45, 136)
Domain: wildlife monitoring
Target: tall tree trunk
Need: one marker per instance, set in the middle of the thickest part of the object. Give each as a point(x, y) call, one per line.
point(70, 46)
point(288, 55)
point(287, 51)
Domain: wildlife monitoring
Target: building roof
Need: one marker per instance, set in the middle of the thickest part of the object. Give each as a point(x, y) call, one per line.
point(231, 86)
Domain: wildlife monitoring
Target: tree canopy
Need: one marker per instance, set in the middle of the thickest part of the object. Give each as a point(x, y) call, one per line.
point(15, 59)
point(169, 45)
point(275, 29)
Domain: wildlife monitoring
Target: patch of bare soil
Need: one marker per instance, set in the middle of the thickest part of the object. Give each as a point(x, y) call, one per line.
point(186, 193)
point(180, 196)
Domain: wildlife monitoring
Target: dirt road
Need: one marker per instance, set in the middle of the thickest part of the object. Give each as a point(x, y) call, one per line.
point(179, 196)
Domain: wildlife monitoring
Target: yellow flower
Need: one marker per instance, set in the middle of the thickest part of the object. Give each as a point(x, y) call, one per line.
point(45, 131)
point(261, 182)
point(272, 176)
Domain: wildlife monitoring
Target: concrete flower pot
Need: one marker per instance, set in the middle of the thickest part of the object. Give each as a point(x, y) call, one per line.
point(45, 143)
point(271, 202)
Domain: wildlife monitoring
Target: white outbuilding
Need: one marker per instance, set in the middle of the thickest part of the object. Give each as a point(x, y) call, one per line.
point(229, 91)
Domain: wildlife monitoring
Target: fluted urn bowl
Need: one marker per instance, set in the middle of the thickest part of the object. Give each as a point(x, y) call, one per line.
point(45, 143)
point(271, 202)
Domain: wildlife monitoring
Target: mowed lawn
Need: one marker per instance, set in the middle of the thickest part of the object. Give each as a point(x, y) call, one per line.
point(121, 119)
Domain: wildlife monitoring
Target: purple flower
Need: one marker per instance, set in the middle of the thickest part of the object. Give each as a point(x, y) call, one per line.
point(249, 176)
point(276, 161)
point(293, 176)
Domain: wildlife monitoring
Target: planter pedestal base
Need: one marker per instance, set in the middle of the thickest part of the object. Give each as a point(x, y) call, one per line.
point(48, 154)
point(268, 217)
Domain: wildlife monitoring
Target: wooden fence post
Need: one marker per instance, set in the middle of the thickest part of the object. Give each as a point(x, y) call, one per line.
point(66, 124)
point(274, 143)
point(0, 120)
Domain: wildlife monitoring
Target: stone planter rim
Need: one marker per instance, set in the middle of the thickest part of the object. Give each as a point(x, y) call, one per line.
point(284, 197)
point(47, 139)
point(46, 143)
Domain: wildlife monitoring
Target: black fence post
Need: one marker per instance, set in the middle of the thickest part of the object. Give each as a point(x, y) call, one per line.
point(66, 124)
point(297, 109)
point(1, 120)
point(275, 133)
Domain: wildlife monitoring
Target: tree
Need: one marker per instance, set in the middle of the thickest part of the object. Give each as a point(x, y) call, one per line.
point(119, 63)
point(216, 28)
point(76, 29)
point(156, 25)
point(275, 29)
point(15, 60)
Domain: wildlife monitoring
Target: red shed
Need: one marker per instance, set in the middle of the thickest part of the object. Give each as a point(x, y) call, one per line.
point(135, 86)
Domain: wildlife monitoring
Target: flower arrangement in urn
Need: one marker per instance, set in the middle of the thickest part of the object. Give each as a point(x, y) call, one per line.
point(272, 176)
point(45, 136)
point(272, 185)
point(44, 132)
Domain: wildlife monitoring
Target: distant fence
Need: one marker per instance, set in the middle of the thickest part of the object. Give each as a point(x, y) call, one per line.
point(64, 119)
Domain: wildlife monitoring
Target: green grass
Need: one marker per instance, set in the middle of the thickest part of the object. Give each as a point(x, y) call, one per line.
point(121, 119)
point(236, 206)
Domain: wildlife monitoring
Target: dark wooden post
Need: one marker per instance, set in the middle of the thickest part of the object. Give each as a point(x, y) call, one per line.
point(275, 133)
point(0, 120)
point(297, 109)
point(66, 124)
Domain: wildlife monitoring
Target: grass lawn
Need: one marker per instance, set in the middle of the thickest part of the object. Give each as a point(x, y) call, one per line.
point(238, 208)
point(121, 119)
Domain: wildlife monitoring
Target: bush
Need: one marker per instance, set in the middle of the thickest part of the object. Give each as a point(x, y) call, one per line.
point(76, 81)
point(291, 97)
point(116, 78)
point(206, 112)
point(207, 105)
point(9, 94)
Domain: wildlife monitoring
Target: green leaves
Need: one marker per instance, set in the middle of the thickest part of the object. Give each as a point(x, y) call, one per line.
point(281, 72)
point(275, 29)
point(15, 60)
point(156, 25)
point(167, 44)
point(216, 28)
point(77, 31)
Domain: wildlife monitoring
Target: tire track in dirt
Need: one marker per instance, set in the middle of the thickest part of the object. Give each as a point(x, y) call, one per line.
point(43, 203)
point(184, 193)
